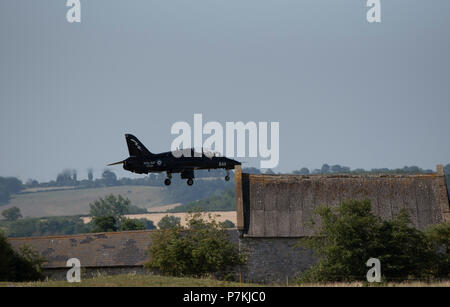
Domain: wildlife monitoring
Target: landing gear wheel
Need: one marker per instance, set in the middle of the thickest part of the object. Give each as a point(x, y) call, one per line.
point(167, 181)
point(227, 178)
point(190, 181)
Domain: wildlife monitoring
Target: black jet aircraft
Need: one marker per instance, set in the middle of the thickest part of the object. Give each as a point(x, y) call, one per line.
point(184, 161)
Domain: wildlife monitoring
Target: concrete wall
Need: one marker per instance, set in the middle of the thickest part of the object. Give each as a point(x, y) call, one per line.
point(283, 205)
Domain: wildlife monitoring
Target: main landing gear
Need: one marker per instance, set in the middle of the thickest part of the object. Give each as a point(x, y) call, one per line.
point(227, 177)
point(167, 181)
point(189, 175)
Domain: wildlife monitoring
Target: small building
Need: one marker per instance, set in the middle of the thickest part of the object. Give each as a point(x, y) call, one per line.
point(99, 253)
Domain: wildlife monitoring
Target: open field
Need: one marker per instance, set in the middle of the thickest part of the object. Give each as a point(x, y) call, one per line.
point(134, 280)
point(33, 190)
point(163, 208)
point(219, 216)
point(76, 202)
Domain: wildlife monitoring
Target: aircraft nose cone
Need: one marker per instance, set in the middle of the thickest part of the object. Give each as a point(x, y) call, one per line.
point(234, 162)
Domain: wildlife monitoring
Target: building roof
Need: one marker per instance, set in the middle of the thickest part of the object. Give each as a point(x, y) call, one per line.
point(127, 248)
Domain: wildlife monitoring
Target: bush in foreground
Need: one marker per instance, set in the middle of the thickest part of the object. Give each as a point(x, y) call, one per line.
point(201, 248)
point(22, 266)
point(350, 234)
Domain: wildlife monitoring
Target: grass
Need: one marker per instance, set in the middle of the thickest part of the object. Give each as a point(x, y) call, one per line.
point(76, 202)
point(389, 284)
point(132, 280)
point(137, 280)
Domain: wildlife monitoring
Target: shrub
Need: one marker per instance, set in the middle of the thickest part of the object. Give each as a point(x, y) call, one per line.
point(12, 214)
point(108, 214)
point(22, 266)
point(110, 206)
point(201, 248)
point(350, 234)
point(439, 238)
point(105, 224)
point(131, 224)
point(169, 221)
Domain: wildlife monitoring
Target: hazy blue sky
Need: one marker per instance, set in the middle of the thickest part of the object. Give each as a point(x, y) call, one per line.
point(344, 91)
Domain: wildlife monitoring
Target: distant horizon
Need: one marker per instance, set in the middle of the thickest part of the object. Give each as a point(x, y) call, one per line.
point(136, 176)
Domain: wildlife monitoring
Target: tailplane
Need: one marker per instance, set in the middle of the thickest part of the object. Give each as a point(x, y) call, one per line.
point(135, 147)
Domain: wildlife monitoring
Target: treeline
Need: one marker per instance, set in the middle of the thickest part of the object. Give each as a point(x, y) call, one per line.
point(16, 226)
point(69, 178)
point(338, 169)
point(46, 226)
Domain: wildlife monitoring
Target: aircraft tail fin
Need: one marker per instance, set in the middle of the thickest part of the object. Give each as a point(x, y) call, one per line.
point(135, 147)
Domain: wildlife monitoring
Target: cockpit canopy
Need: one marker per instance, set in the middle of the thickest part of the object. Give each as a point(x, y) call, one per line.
point(210, 154)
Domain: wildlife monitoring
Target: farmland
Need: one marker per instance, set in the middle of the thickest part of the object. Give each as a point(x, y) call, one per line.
point(76, 201)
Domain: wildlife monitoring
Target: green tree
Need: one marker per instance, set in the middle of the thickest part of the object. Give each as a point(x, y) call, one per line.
point(18, 267)
point(439, 238)
point(33, 257)
point(109, 178)
point(169, 221)
point(201, 248)
point(108, 214)
point(302, 171)
point(110, 206)
point(66, 178)
point(350, 234)
point(11, 184)
point(12, 214)
point(147, 224)
point(90, 174)
point(8, 186)
point(106, 223)
point(325, 169)
point(131, 224)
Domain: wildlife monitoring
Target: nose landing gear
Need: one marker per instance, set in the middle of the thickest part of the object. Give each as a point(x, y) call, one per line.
point(190, 181)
